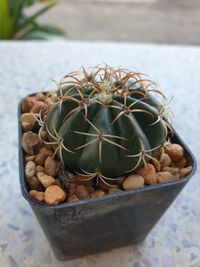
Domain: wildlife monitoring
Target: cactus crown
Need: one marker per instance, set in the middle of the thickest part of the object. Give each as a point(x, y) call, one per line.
point(106, 123)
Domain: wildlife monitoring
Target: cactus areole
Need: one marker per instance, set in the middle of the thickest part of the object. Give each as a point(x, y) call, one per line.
point(106, 123)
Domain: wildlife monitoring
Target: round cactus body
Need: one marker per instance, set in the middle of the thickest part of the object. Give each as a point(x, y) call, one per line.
point(106, 123)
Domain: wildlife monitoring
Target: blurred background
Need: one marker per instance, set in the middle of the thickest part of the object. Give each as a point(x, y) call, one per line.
point(155, 21)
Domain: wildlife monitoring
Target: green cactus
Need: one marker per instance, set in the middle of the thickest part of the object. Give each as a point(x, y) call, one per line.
point(106, 123)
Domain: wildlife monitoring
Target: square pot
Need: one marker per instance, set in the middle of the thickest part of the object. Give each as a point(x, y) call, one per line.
point(98, 224)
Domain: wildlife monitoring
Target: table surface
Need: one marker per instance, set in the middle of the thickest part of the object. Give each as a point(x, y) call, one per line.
point(26, 67)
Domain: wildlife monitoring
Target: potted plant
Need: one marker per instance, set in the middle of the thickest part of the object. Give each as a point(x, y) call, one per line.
point(17, 25)
point(99, 162)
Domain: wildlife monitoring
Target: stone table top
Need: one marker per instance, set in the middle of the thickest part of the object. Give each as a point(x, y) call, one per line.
point(26, 67)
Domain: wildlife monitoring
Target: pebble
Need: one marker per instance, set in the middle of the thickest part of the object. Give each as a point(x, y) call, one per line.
point(46, 151)
point(113, 190)
point(185, 171)
point(97, 193)
point(54, 195)
point(82, 192)
point(28, 121)
point(156, 164)
point(133, 181)
point(46, 180)
point(29, 158)
point(40, 159)
point(172, 170)
point(49, 101)
point(73, 198)
point(148, 172)
point(72, 188)
point(38, 107)
point(30, 169)
point(165, 160)
point(29, 142)
point(43, 135)
point(37, 195)
point(48, 146)
point(181, 163)
point(34, 183)
point(50, 166)
point(175, 151)
point(39, 168)
point(26, 126)
point(39, 97)
point(163, 177)
point(27, 104)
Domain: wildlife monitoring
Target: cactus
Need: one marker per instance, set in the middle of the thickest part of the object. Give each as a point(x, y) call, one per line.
point(106, 123)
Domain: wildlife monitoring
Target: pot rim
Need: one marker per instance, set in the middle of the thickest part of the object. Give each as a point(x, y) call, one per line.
point(33, 202)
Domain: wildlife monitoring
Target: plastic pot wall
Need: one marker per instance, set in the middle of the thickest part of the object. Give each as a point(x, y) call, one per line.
point(94, 225)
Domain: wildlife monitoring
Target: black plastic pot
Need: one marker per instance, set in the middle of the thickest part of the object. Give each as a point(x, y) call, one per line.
point(93, 225)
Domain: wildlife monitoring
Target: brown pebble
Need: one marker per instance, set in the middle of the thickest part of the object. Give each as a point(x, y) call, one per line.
point(27, 104)
point(34, 183)
point(37, 195)
point(54, 195)
point(49, 101)
point(72, 188)
point(39, 97)
point(29, 142)
point(185, 171)
point(133, 181)
point(165, 160)
point(164, 177)
point(43, 135)
point(39, 168)
point(48, 146)
point(148, 172)
point(45, 180)
point(72, 198)
point(172, 170)
point(46, 151)
point(97, 193)
point(175, 151)
point(156, 164)
point(82, 192)
point(26, 126)
point(40, 159)
point(30, 169)
point(38, 107)
point(113, 190)
point(28, 121)
point(50, 166)
point(29, 158)
point(181, 163)
point(38, 146)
